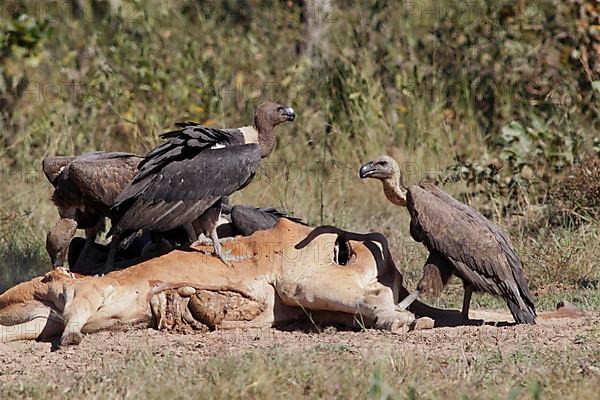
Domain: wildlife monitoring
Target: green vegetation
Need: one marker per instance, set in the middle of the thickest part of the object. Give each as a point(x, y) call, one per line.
point(498, 101)
point(494, 100)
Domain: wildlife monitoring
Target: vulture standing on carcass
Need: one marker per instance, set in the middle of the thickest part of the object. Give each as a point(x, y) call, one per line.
point(460, 241)
point(245, 220)
point(85, 188)
point(182, 181)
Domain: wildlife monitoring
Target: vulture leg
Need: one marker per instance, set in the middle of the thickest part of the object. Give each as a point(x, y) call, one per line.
point(191, 232)
point(436, 273)
point(467, 300)
point(217, 246)
point(207, 223)
point(90, 238)
point(112, 254)
point(158, 245)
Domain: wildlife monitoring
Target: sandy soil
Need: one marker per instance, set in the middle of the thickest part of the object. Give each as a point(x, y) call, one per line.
point(97, 349)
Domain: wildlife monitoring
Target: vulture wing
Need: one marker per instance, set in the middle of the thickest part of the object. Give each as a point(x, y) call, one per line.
point(248, 219)
point(202, 132)
point(282, 214)
point(181, 188)
point(102, 177)
point(54, 165)
point(190, 138)
point(480, 251)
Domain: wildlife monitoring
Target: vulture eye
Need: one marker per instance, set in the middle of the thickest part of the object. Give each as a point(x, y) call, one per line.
point(280, 109)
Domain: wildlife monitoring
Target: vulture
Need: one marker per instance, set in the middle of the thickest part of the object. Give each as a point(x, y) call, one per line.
point(245, 220)
point(460, 240)
point(85, 188)
point(181, 183)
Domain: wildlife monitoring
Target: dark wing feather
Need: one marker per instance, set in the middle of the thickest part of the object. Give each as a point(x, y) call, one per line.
point(480, 251)
point(248, 219)
point(103, 178)
point(181, 190)
point(190, 138)
point(282, 214)
point(54, 165)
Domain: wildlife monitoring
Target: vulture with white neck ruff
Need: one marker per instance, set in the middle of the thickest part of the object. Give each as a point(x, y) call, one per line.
point(85, 188)
point(460, 241)
point(182, 181)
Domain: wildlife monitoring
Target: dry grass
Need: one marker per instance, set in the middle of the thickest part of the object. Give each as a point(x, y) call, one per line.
point(448, 363)
point(575, 198)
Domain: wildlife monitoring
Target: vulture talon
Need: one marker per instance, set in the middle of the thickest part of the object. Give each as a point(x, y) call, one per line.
point(225, 256)
point(202, 241)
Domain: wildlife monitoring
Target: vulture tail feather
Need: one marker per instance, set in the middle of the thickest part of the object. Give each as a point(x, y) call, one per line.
point(522, 315)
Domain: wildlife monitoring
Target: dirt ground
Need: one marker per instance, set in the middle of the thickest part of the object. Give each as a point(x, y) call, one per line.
point(556, 335)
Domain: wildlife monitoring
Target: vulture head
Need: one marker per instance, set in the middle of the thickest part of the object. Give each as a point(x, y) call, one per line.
point(272, 114)
point(53, 166)
point(57, 240)
point(266, 117)
point(382, 168)
point(387, 170)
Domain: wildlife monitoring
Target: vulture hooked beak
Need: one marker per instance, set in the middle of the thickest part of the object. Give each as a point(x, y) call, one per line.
point(288, 113)
point(367, 170)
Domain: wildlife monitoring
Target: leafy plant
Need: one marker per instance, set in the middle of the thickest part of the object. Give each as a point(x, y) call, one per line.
point(19, 38)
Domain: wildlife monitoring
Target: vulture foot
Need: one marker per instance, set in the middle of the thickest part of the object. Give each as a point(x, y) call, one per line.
point(229, 258)
point(225, 257)
point(206, 241)
point(202, 241)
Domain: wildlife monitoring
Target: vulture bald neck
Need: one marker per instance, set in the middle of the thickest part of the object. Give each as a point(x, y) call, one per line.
point(265, 129)
point(181, 183)
point(460, 241)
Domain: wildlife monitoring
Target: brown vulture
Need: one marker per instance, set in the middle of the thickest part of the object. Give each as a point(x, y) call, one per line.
point(460, 241)
point(181, 182)
point(85, 188)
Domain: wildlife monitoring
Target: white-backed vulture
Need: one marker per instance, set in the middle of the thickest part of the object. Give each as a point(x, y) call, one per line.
point(85, 188)
point(181, 182)
point(460, 241)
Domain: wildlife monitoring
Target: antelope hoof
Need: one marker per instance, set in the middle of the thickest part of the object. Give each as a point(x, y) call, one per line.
point(422, 323)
